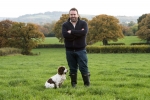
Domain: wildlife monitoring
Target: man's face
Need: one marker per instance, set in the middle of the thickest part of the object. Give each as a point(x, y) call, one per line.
point(73, 16)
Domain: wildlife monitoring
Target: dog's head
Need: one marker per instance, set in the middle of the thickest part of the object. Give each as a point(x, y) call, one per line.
point(62, 70)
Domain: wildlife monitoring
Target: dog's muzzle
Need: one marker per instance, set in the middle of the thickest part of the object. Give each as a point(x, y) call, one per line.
point(65, 71)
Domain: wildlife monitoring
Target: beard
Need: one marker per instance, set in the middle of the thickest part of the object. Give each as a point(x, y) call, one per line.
point(74, 19)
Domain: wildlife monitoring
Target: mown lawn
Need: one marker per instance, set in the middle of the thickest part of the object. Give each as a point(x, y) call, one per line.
point(113, 77)
point(51, 40)
point(127, 40)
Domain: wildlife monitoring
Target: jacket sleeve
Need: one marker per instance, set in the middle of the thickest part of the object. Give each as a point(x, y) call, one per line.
point(65, 34)
point(80, 32)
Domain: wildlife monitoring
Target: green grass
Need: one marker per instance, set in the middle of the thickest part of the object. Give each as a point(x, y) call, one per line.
point(113, 77)
point(127, 40)
point(51, 40)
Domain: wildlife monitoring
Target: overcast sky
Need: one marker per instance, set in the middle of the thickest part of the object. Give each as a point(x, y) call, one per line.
point(16, 8)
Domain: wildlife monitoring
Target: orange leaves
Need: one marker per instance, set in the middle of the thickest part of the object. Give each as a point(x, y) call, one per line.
point(21, 35)
point(144, 27)
point(105, 27)
point(5, 25)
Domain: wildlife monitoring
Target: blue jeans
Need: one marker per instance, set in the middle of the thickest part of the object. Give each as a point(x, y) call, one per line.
point(77, 59)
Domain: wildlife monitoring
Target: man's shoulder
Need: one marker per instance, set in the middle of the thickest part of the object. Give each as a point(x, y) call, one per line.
point(82, 22)
point(65, 23)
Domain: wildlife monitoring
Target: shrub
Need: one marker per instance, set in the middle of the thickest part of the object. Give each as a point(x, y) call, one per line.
point(50, 46)
point(116, 43)
point(140, 43)
point(119, 49)
point(8, 51)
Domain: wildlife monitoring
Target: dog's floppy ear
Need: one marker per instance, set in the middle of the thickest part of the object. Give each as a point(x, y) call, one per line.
point(61, 70)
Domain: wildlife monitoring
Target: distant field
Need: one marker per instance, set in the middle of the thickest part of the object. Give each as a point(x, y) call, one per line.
point(113, 77)
point(127, 40)
point(51, 40)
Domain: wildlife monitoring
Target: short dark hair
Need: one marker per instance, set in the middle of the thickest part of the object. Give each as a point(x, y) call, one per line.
point(74, 9)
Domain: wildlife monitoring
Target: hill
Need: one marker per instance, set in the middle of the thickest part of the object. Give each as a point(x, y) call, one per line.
point(48, 17)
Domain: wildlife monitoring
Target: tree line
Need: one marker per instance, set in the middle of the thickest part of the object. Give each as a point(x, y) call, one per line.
point(101, 28)
point(107, 28)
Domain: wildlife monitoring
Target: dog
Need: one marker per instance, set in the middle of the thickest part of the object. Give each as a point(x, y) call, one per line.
point(57, 80)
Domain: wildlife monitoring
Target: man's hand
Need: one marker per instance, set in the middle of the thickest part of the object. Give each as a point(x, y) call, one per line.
point(69, 31)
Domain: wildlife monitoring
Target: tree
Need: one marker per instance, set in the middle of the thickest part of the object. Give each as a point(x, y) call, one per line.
point(5, 25)
point(43, 30)
point(134, 28)
point(25, 36)
point(140, 19)
point(129, 30)
point(131, 23)
point(144, 29)
point(104, 28)
point(58, 27)
point(47, 29)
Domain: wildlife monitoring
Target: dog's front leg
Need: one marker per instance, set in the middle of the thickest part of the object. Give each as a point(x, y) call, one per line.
point(60, 84)
point(57, 85)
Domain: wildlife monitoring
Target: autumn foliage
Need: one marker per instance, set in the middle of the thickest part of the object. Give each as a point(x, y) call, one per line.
point(144, 27)
point(4, 32)
point(58, 27)
point(104, 28)
point(25, 36)
point(101, 28)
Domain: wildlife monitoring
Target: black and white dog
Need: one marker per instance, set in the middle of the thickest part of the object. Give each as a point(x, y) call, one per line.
point(57, 80)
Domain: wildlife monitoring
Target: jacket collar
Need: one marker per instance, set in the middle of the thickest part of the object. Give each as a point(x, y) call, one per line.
point(69, 19)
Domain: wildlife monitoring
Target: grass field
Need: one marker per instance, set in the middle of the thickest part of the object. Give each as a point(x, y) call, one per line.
point(113, 77)
point(127, 40)
point(51, 40)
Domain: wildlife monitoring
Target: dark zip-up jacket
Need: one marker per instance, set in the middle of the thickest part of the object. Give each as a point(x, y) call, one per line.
point(77, 39)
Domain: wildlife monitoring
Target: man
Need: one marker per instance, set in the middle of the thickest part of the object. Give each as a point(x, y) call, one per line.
point(74, 32)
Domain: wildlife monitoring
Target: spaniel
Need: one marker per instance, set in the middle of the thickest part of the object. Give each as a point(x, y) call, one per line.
point(57, 80)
